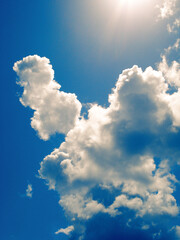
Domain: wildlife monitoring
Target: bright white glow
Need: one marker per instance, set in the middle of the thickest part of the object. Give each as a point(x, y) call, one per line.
point(132, 2)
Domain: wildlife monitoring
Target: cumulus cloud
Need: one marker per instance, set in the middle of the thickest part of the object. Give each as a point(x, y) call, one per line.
point(116, 147)
point(54, 110)
point(66, 231)
point(126, 149)
point(29, 191)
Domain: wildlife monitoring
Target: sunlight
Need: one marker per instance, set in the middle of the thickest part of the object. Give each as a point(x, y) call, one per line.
point(131, 3)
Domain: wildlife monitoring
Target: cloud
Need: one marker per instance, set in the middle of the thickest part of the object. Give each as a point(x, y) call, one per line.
point(172, 72)
point(167, 8)
point(174, 47)
point(116, 147)
point(178, 231)
point(66, 231)
point(119, 157)
point(54, 110)
point(29, 191)
point(172, 28)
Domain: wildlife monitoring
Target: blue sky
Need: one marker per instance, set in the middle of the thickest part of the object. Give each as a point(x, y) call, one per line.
point(115, 171)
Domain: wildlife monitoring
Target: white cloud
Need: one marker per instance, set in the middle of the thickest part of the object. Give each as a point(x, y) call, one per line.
point(55, 110)
point(115, 148)
point(66, 231)
point(173, 28)
point(81, 206)
point(29, 191)
point(175, 47)
point(122, 201)
point(169, 11)
point(167, 8)
point(172, 72)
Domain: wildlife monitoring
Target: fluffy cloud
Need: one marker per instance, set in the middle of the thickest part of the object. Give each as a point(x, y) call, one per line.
point(55, 110)
point(29, 191)
point(116, 148)
point(125, 150)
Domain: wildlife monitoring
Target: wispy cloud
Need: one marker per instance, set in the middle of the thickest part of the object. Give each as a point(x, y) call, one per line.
point(171, 71)
point(173, 28)
point(66, 231)
point(167, 8)
point(29, 191)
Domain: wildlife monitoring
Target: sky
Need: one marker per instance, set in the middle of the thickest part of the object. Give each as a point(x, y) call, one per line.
point(90, 121)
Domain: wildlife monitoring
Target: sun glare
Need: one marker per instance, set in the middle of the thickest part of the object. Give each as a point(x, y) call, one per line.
point(131, 3)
